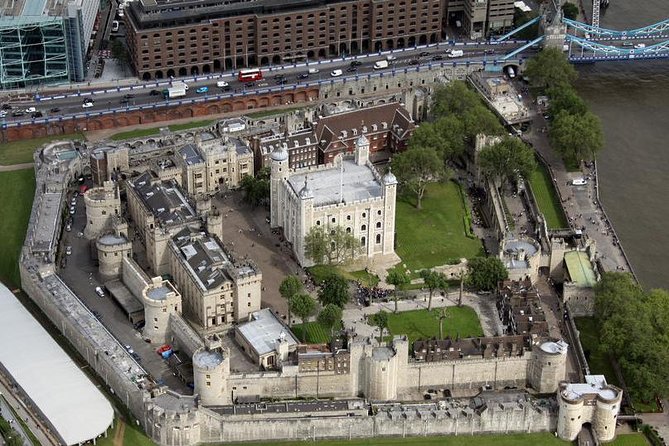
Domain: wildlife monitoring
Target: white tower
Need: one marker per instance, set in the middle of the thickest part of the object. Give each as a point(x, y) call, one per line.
point(279, 173)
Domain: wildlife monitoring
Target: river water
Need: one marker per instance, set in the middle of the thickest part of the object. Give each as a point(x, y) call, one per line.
point(632, 100)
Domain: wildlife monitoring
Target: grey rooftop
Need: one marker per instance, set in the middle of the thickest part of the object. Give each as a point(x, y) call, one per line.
point(264, 330)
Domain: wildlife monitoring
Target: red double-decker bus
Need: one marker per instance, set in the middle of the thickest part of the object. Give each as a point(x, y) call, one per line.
point(250, 75)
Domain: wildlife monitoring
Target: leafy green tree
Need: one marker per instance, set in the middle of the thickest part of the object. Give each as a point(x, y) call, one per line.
point(507, 159)
point(433, 281)
point(550, 68)
point(330, 245)
point(570, 11)
point(335, 291)
point(256, 188)
point(380, 320)
point(565, 99)
point(398, 278)
point(303, 306)
point(416, 168)
point(442, 314)
point(480, 119)
point(290, 286)
point(484, 273)
point(577, 137)
point(330, 317)
point(520, 18)
point(446, 136)
point(454, 99)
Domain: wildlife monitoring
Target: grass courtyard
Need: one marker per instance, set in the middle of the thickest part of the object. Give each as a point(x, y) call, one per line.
point(422, 324)
point(316, 333)
point(435, 234)
point(17, 189)
point(547, 198)
point(19, 152)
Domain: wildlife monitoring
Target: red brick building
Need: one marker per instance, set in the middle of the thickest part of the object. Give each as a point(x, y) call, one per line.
point(188, 37)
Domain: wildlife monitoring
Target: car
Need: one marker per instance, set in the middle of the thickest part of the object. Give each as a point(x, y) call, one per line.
point(124, 101)
point(54, 110)
point(3, 113)
point(129, 349)
point(6, 106)
point(265, 84)
point(278, 77)
point(547, 117)
point(489, 51)
point(579, 182)
point(17, 113)
point(37, 114)
point(414, 62)
point(87, 104)
point(136, 357)
point(31, 110)
point(129, 96)
point(391, 58)
point(74, 201)
point(278, 82)
point(303, 76)
point(253, 84)
point(424, 54)
point(336, 73)
point(155, 93)
point(72, 210)
point(139, 325)
point(68, 227)
point(99, 291)
point(68, 250)
point(352, 69)
point(88, 100)
point(222, 84)
point(438, 57)
point(639, 46)
point(202, 90)
point(355, 63)
point(314, 71)
point(628, 44)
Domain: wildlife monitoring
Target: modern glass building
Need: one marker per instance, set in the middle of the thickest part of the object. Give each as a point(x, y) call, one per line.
point(44, 41)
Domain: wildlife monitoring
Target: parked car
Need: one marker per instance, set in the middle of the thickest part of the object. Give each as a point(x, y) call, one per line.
point(99, 291)
point(68, 227)
point(68, 250)
point(139, 325)
point(129, 349)
point(72, 210)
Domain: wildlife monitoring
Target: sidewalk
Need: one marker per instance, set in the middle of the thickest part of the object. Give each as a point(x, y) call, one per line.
point(580, 203)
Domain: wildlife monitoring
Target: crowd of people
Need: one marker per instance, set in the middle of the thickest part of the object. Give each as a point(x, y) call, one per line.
point(365, 296)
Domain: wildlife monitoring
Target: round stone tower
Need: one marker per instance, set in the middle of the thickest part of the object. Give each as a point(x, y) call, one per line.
point(279, 172)
point(606, 413)
point(102, 204)
point(548, 366)
point(112, 248)
point(211, 368)
point(381, 376)
point(160, 299)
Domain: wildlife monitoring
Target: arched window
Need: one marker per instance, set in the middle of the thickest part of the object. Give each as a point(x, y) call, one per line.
point(363, 227)
point(378, 225)
point(378, 238)
point(363, 240)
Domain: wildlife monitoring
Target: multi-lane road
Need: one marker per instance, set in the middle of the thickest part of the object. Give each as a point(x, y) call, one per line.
point(69, 102)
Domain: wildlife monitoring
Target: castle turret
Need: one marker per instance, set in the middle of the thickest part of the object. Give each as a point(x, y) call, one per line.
point(112, 248)
point(279, 173)
point(211, 368)
point(389, 199)
point(102, 204)
point(361, 150)
point(215, 223)
point(548, 366)
point(306, 210)
point(160, 299)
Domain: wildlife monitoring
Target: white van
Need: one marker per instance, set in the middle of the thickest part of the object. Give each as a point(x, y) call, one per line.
point(638, 46)
point(314, 70)
point(456, 53)
point(336, 73)
point(222, 84)
point(579, 182)
point(381, 64)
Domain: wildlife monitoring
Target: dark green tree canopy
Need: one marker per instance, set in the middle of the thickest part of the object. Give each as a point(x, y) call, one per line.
point(330, 245)
point(256, 189)
point(484, 273)
point(335, 290)
point(397, 277)
point(507, 159)
point(570, 11)
point(302, 305)
point(550, 68)
point(577, 137)
point(290, 286)
point(330, 316)
point(565, 99)
point(416, 168)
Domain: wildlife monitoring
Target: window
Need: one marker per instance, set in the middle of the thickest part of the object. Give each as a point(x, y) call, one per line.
point(334, 220)
point(364, 215)
point(378, 225)
point(363, 227)
point(318, 222)
point(363, 240)
point(378, 238)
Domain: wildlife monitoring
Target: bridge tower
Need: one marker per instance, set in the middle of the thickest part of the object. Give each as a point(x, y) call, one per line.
point(555, 33)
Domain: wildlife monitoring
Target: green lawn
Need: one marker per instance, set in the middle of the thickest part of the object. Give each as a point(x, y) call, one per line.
point(316, 333)
point(17, 190)
point(629, 440)
point(143, 133)
point(19, 152)
point(423, 324)
point(435, 234)
point(547, 199)
point(134, 437)
point(544, 439)
point(267, 113)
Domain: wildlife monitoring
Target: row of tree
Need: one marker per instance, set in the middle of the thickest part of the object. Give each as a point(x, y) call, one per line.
point(575, 132)
point(634, 328)
point(333, 295)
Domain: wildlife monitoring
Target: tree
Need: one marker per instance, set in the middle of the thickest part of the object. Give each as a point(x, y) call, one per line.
point(480, 119)
point(484, 273)
point(330, 245)
point(570, 11)
point(398, 278)
point(380, 320)
point(507, 159)
point(416, 168)
point(256, 189)
point(290, 286)
point(330, 317)
point(441, 315)
point(303, 306)
point(446, 136)
point(565, 99)
point(334, 291)
point(433, 281)
point(577, 137)
point(550, 68)
point(454, 99)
